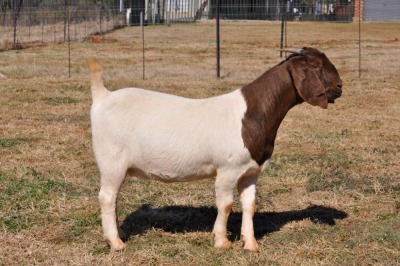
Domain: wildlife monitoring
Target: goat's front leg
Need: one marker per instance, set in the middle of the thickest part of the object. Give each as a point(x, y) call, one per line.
point(247, 190)
point(224, 186)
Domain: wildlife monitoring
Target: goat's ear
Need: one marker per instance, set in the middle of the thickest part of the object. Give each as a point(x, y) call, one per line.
point(306, 80)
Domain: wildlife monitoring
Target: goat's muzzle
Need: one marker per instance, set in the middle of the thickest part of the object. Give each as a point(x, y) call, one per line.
point(333, 93)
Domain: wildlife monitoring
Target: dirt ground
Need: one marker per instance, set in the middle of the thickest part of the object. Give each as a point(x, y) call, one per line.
point(330, 197)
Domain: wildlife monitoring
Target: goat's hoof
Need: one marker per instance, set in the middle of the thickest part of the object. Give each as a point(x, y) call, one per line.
point(117, 245)
point(223, 244)
point(251, 246)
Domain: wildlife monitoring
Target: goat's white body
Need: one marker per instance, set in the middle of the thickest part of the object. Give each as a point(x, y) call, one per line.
point(170, 138)
point(158, 136)
point(152, 135)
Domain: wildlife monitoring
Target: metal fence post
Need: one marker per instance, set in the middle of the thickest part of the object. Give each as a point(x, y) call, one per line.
point(359, 39)
point(100, 18)
point(218, 42)
point(282, 29)
point(142, 26)
point(15, 23)
point(69, 45)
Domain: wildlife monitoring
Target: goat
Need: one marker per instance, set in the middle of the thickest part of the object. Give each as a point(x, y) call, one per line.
point(157, 136)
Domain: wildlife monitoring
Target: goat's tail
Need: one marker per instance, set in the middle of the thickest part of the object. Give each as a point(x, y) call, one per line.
point(96, 72)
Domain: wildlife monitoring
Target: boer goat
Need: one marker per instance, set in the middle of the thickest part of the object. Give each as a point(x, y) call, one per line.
point(157, 136)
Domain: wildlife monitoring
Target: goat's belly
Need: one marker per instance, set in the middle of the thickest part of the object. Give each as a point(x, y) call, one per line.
point(168, 176)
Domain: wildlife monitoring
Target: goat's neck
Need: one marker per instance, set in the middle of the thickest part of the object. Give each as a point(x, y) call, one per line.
point(268, 99)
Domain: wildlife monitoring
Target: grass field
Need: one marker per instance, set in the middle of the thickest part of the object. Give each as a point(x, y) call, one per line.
point(330, 197)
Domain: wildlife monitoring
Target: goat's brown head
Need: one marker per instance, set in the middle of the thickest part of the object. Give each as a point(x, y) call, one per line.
point(315, 78)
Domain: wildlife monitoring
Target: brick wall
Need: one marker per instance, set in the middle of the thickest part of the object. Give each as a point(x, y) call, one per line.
point(358, 4)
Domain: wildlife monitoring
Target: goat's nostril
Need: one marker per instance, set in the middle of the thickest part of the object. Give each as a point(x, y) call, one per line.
point(339, 86)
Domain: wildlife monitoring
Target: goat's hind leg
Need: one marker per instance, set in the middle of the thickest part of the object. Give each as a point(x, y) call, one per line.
point(224, 185)
point(111, 182)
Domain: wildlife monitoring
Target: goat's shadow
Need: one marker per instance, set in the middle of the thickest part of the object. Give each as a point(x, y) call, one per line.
point(179, 219)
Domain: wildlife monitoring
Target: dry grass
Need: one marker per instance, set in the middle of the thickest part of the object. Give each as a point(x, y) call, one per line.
point(331, 196)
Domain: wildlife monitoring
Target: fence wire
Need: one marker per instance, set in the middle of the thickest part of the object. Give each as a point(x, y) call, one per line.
point(56, 22)
point(27, 26)
point(32, 22)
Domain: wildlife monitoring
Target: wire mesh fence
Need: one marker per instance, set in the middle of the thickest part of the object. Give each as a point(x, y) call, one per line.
point(41, 22)
point(34, 22)
point(65, 21)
